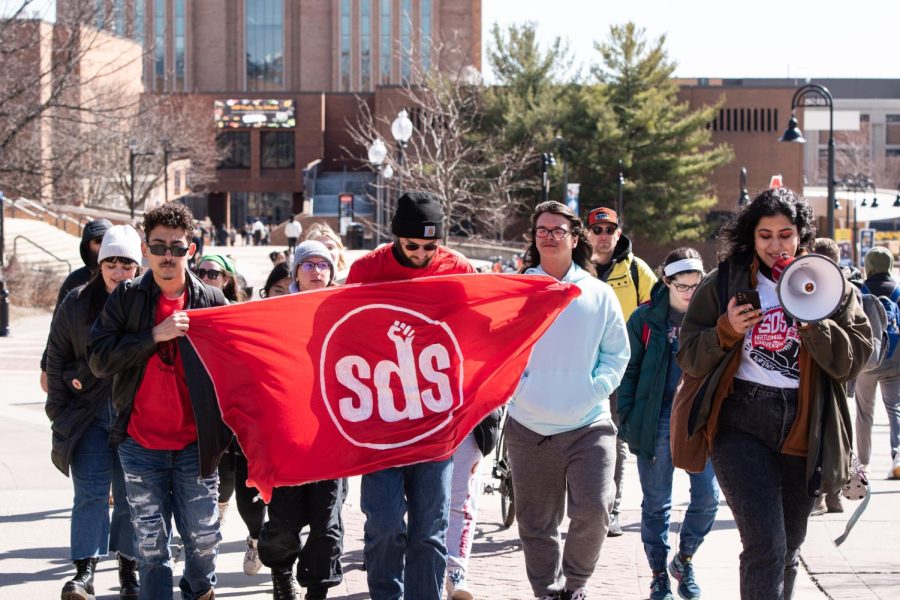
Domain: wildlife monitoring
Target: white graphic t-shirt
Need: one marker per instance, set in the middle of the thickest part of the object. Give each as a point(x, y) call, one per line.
point(771, 350)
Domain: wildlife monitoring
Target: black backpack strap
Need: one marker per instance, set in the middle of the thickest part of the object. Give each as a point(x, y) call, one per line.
point(722, 276)
point(635, 279)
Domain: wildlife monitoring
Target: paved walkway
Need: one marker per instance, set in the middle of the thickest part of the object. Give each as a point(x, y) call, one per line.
point(35, 507)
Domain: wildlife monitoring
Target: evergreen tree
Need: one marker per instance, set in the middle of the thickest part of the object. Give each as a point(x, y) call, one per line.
point(665, 147)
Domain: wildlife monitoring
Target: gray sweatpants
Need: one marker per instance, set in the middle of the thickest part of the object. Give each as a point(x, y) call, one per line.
point(570, 472)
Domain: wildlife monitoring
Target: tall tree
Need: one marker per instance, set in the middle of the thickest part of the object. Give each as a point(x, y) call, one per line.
point(664, 145)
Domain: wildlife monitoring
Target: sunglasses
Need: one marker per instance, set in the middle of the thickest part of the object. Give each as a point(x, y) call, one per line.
point(309, 266)
point(119, 260)
point(430, 247)
point(211, 274)
point(608, 230)
point(160, 250)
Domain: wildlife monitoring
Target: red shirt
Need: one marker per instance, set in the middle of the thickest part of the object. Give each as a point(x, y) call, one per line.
point(382, 265)
point(162, 417)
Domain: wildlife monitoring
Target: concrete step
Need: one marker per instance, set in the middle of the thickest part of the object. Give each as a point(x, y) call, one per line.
point(53, 240)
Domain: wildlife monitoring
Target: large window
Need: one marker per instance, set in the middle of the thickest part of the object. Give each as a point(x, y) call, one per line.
point(365, 43)
point(119, 20)
point(265, 44)
point(277, 150)
point(406, 40)
point(425, 29)
point(235, 149)
point(159, 44)
point(385, 52)
point(346, 25)
point(179, 46)
point(138, 33)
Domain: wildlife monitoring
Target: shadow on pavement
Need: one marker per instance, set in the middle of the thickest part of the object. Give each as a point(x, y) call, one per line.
point(60, 513)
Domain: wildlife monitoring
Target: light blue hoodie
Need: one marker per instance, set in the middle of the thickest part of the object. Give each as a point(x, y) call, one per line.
point(577, 363)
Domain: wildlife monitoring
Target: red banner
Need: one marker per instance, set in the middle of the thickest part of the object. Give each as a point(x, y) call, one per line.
point(346, 381)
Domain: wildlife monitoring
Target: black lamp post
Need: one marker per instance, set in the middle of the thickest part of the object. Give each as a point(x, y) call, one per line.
point(132, 154)
point(744, 197)
point(620, 201)
point(401, 130)
point(4, 293)
point(547, 161)
point(562, 150)
point(814, 94)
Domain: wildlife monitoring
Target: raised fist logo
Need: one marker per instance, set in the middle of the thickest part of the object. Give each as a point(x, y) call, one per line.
point(405, 379)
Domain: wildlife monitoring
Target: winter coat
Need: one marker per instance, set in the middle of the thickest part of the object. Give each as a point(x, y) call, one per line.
point(74, 394)
point(832, 351)
point(121, 343)
point(643, 387)
point(81, 275)
point(621, 277)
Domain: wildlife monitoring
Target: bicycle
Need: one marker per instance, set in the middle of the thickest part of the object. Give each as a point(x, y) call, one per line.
point(503, 473)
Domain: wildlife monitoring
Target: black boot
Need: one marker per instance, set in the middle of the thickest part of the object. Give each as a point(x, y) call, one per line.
point(283, 585)
point(129, 589)
point(81, 587)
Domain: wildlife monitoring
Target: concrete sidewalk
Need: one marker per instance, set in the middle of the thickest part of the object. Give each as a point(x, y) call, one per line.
point(35, 503)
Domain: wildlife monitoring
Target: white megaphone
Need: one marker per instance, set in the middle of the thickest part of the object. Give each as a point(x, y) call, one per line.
point(810, 288)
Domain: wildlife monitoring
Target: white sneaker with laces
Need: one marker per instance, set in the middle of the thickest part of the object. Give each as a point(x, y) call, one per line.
point(252, 565)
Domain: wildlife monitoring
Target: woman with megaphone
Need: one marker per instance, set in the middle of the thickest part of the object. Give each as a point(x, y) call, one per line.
point(763, 394)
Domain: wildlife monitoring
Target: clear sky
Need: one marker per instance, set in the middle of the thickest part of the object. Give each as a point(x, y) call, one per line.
point(727, 38)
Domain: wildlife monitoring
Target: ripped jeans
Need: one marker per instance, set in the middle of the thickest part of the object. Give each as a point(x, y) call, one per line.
point(161, 484)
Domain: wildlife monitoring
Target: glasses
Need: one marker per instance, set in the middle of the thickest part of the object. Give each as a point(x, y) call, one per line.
point(683, 287)
point(211, 274)
point(600, 229)
point(412, 247)
point(119, 260)
point(557, 233)
point(160, 250)
point(309, 266)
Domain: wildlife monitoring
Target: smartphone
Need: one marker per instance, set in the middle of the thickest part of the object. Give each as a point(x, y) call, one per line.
point(742, 297)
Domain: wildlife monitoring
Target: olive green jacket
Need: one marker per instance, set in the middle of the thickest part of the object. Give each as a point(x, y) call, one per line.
point(836, 347)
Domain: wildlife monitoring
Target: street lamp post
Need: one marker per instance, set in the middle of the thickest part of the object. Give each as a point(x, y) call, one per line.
point(744, 197)
point(132, 154)
point(166, 149)
point(562, 151)
point(377, 154)
point(814, 94)
point(547, 161)
point(4, 293)
point(401, 130)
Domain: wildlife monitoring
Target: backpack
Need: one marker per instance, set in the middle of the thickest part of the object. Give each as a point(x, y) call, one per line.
point(891, 323)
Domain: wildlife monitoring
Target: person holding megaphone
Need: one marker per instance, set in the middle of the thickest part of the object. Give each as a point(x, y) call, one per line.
point(771, 410)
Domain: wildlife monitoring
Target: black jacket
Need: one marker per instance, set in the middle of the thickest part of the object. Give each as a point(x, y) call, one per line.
point(121, 343)
point(80, 276)
point(74, 393)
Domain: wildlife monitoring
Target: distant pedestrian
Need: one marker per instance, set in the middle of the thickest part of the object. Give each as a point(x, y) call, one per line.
point(80, 408)
point(259, 232)
point(778, 391)
point(408, 559)
point(292, 231)
point(645, 407)
point(560, 434)
point(168, 429)
point(317, 505)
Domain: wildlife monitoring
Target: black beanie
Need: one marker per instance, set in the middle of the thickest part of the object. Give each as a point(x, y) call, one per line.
point(419, 216)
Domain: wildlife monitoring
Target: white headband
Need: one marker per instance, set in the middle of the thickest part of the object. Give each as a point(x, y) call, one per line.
point(685, 264)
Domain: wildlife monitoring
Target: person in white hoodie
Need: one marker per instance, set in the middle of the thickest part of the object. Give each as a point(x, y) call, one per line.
point(560, 434)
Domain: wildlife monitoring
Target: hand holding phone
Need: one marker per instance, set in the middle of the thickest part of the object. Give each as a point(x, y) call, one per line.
point(744, 310)
point(747, 296)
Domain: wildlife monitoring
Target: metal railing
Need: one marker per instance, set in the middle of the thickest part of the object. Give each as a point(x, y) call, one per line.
point(39, 247)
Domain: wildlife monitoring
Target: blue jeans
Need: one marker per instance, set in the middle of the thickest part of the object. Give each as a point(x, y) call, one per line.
point(656, 507)
point(162, 484)
point(423, 491)
point(765, 489)
point(95, 466)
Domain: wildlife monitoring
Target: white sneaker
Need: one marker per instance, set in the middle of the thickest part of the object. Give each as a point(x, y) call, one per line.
point(457, 588)
point(252, 565)
point(895, 467)
point(579, 594)
point(223, 508)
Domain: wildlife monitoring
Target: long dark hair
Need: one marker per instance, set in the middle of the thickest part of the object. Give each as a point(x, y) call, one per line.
point(737, 237)
point(581, 253)
point(96, 289)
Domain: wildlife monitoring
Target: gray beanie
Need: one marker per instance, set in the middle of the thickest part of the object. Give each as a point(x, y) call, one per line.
point(305, 251)
point(879, 260)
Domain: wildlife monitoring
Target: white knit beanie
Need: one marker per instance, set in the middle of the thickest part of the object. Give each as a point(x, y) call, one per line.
point(121, 240)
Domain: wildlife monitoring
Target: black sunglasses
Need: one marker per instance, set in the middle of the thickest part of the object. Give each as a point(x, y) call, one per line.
point(412, 247)
point(211, 274)
point(160, 250)
point(608, 230)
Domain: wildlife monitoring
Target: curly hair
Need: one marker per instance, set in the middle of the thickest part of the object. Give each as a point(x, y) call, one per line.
point(581, 253)
point(173, 215)
point(737, 238)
